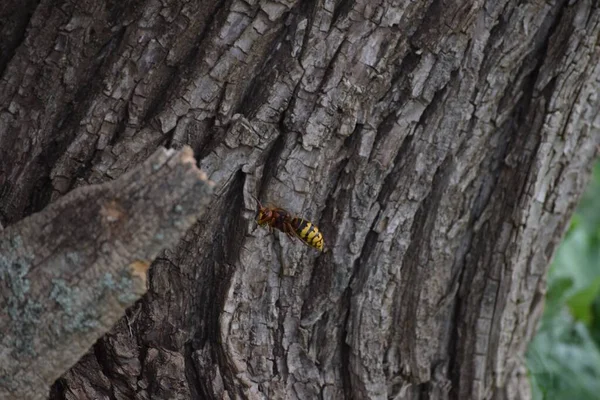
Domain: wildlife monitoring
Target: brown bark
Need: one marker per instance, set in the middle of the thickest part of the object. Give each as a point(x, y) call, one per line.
point(67, 274)
point(440, 147)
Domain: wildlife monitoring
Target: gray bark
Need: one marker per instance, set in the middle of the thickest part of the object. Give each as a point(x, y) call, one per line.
point(67, 274)
point(439, 146)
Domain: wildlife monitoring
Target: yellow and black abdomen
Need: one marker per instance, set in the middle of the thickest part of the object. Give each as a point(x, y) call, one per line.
point(308, 232)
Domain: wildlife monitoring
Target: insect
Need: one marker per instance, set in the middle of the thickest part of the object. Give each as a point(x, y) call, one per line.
point(293, 226)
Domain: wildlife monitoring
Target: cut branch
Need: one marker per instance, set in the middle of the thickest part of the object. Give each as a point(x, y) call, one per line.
point(68, 273)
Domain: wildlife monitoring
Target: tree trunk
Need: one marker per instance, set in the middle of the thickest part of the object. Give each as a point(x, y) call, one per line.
point(439, 146)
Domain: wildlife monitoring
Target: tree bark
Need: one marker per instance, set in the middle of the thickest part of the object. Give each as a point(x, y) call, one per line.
point(439, 146)
point(68, 273)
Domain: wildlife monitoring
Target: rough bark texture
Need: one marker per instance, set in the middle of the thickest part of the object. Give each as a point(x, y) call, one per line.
point(68, 274)
point(440, 147)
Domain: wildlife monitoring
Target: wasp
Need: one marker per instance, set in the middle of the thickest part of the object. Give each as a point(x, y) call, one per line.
point(293, 226)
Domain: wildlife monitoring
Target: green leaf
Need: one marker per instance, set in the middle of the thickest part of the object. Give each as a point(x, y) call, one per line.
point(581, 302)
point(563, 359)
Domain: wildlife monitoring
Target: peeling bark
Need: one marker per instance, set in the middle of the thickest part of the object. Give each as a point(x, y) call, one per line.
point(439, 146)
point(68, 273)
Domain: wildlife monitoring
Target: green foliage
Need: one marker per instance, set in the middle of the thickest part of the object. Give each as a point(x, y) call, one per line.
point(564, 357)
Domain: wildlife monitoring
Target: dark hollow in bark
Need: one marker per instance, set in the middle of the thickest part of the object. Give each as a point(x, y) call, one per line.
point(68, 273)
point(439, 146)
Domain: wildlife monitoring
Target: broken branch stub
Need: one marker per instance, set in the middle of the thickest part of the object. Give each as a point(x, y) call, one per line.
point(68, 273)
